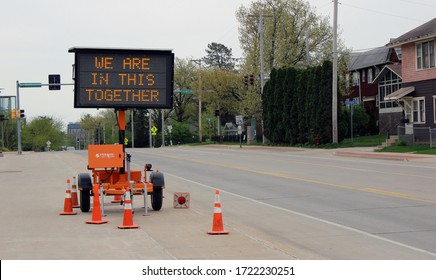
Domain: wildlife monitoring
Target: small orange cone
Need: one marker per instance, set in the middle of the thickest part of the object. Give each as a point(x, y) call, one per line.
point(128, 213)
point(68, 204)
point(117, 199)
point(96, 208)
point(217, 225)
point(74, 198)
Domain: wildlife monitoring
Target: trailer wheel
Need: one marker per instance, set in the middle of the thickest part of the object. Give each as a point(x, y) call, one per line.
point(85, 185)
point(157, 179)
point(157, 198)
point(85, 200)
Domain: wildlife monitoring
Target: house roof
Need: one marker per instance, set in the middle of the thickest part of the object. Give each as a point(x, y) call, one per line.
point(361, 60)
point(421, 32)
point(396, 68)
point(399, 93)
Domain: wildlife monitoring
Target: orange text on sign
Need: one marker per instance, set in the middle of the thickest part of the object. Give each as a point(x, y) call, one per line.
point(123, 95)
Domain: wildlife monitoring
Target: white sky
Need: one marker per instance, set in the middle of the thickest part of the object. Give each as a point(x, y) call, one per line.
point(35, 35)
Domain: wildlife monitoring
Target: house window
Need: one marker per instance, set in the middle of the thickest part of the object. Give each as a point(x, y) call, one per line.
point(356, 78)
point(425, 55)
point(369, 75)
point(418, 110)
point(363, 76)
point(390, 83)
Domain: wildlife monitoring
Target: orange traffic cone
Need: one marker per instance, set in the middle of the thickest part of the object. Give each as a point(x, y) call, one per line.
point(68, 204)
point(128, 213)
point(74, 198)
point(117, 199)
point(96, 208)
point(217, 225)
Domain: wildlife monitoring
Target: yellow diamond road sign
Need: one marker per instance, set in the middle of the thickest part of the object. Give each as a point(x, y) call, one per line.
point(154, 130)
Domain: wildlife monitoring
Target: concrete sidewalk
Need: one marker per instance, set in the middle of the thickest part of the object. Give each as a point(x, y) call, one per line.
point(369, 153)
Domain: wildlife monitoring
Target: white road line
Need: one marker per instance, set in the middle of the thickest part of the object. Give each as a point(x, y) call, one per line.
point(312, 217)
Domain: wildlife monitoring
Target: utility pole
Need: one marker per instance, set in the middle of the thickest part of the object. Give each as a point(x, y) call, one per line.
point(335, 74)
point(200, 128)
point(262, 78)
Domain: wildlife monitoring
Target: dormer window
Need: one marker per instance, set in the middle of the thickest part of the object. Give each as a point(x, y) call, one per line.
point(425, 58)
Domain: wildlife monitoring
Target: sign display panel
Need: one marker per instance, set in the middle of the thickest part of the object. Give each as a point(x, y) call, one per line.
point(122, 78)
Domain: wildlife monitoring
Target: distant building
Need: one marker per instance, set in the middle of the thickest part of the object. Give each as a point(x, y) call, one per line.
point(76, 134)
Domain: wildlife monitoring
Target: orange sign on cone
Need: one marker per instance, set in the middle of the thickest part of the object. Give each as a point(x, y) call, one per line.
point(217, 225)
point(128, 213)
point(96, 209)
point(74, 198)
point(68, 204)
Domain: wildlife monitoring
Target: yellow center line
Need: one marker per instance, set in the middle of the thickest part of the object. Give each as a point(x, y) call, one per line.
point(291, 177)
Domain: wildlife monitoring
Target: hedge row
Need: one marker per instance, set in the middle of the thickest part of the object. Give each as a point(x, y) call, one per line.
point(297, 105)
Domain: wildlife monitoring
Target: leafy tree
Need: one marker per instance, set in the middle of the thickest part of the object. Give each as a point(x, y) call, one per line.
point(180, 133)
point(361, 121)
point(36, 133)
point(288, 26)
point(219, 56)
point(184, 78)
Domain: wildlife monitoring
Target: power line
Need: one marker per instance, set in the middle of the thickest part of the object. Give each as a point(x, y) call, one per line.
point(382, 13)
point(419, 3)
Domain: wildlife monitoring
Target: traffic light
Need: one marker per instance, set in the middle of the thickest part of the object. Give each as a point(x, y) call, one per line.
point(22, 115)
point(13, 114)
point(251, 79)
point(246, 81)
point(54, 82)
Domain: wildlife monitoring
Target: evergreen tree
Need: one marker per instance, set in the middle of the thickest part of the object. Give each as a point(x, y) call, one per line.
point(219, 56)
point(326, 103)
point(295, 128)
point(288, 96)
point(301, 101)
point(277, 110)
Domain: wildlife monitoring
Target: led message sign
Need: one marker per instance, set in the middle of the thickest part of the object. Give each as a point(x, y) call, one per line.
point(120, 78)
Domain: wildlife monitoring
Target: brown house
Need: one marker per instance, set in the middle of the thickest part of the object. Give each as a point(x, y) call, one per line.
point(417, 95)
point(364, 72)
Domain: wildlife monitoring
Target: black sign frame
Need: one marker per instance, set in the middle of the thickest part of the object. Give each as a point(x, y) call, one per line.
point(123, 78)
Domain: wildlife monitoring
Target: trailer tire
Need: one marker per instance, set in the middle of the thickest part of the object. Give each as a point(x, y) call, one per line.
point(157, 198)
point(84, 183)
point(85, 200)
point(157, 179)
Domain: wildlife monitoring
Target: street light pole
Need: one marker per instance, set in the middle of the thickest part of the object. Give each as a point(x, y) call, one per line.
point(17, 108)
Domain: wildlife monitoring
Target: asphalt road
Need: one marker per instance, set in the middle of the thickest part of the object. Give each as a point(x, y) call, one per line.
point(280, 203)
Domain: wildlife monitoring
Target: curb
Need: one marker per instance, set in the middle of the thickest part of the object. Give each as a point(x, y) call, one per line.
point(399, 157)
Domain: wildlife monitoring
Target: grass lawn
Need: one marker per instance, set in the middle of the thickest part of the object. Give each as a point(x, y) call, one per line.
point(412, 149)
point(361, 141)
